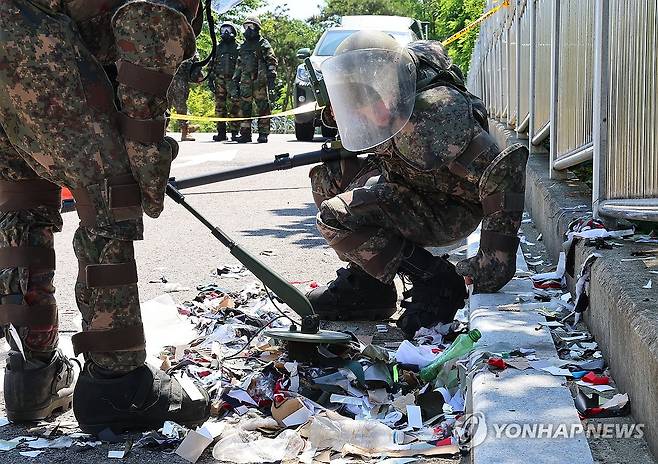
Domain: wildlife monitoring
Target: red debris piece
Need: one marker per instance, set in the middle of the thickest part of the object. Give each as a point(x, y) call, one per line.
point(591, 377)
point(498, 363)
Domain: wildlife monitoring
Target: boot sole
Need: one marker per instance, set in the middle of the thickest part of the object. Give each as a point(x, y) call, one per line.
point(63, 404)
point(373, 314)
point(134, 426)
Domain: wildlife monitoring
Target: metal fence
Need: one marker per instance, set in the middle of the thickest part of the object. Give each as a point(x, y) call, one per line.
point(585, 74)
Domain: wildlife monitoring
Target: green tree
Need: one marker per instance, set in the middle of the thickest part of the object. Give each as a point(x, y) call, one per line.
point(451, 16)
point(286, 36)
point(337, 8)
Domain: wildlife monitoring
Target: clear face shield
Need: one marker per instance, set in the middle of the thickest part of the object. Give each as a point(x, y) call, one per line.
point(372, 93)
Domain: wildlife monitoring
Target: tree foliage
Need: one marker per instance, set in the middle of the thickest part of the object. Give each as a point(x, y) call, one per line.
point(445, 17)
point(287, 35)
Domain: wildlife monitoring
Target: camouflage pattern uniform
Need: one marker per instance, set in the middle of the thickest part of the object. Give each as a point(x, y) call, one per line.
point(179, 90)
point(256, 64)
point(60, 126)
point(227, 103)
point(431, 184)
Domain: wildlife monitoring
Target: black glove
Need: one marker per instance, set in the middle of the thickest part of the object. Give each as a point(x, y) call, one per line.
point(271, 83)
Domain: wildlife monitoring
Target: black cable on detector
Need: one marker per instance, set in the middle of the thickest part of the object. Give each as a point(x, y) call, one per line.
point(269, 295)
point(234, 355)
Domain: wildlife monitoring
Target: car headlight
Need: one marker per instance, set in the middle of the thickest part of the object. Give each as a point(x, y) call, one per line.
point(302, 73)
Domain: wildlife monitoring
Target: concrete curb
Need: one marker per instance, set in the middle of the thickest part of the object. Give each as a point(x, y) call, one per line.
point(622, 316)
point(514, 401)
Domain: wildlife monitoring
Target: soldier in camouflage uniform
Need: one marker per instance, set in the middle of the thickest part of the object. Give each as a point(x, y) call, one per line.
point(255, 74)
point(179, 91)
point(434, 174)
point(82, 101)
point(222, 85)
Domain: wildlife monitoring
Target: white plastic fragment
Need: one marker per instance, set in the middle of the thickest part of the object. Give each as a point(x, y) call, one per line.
point(238, 448)
point(193, 445)
point(648, 285)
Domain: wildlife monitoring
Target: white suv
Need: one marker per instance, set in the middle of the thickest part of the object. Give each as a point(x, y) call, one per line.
point(404, 30)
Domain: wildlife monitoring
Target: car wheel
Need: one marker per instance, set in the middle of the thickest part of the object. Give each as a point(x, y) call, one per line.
point(328, 132)
point(304, 132)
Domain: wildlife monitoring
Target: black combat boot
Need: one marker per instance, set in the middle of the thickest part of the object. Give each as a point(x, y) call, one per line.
point(234, 136)
point(354, 296)
point(437, 290)
point(245, 136)
point(262, 138)
point(35, 389)
point(221, 135)
point(140, 400)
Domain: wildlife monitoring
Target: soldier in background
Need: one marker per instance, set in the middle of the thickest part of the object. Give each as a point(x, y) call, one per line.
point(221, 83)
point(179, 92)
point(434, 174)
point(256, 74)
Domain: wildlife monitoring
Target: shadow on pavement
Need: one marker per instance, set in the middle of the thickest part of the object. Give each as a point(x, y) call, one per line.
point(302, 229)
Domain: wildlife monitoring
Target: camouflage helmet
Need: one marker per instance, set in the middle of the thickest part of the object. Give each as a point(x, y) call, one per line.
point(252, 20)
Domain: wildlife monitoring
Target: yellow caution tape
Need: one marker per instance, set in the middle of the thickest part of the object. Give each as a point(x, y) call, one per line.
point(308, 108)
point(458, 35)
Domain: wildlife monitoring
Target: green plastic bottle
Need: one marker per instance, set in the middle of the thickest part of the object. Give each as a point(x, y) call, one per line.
point(462, 345)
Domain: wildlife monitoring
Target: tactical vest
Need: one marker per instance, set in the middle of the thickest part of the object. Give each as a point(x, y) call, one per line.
point(226, 59)
point(251, 57)
point(445, 147)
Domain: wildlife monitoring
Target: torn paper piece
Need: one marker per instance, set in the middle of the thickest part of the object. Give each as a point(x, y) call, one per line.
point(3, 421)
point(170, 429)
point(420, 356)
point(6, 445)
point(189, 387)
point(164, 326)
point(242, 396)
point(193, 446)
point(616, 402)
point(557, 371)
point(212, 429)
point(116, 454)
point(598, 388)
point(291, 367)
point(648, 285)
point(171, 287)
point(30, 454)
point(290, 412)
point(557, 274)
point(238, 449)
point(401, 402)
point(382, 328)
point(57, 443)
point(518, 363)
point(414, 417)
point(242, 410)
